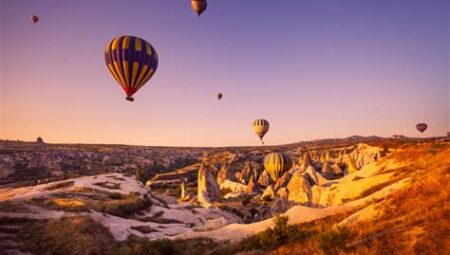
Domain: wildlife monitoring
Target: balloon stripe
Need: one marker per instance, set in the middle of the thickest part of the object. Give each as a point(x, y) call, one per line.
point(149, 75)
point(148, 48)
point(119, 74)
point(141, 58)
point(117, 57)
point(141, 75)
point(134, 73)
point(127, 58)
point(113, 72)
point(126, 72)
point(126, 42)
point(138, 44)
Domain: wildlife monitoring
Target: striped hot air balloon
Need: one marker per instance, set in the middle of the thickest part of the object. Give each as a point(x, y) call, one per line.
point(34, 18)
point(260, 127)
point(422, 127)
point(199, 6)
point(276, 164)
point(132, 61)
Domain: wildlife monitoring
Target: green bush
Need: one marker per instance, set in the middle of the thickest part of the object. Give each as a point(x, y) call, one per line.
point(280, 234)
point(142, 246)
point(331, 242)
point(78, 235)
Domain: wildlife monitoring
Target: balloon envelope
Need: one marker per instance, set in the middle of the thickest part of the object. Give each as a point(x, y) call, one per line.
point(422, 127)
point(219, 96)
point(199, 6)
point(276, 164)
point(132, 61)
point(260, 127)
point(34, 18)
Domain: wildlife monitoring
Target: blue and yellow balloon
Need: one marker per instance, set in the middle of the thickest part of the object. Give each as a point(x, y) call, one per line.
point(132, 61)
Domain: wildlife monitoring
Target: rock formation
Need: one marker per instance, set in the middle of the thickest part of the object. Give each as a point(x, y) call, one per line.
point(278, 206)
point(314, 177)
point(246, 172)
point(283, 193)
point(327, 171)
point(183, 194)
point(6, 166)
point(351, 164)
point(306, 160)
point(283, 181)
point(337, 170)
point(224, 174)
point(299, 189)
point(234, 187)
point(252, 186)
point(265, 179)
point(207, 189)
point(269, 193)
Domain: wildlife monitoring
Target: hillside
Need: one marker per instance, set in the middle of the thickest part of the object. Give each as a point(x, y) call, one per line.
point(356, 195)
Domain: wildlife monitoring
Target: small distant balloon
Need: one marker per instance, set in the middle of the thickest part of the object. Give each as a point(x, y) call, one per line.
point(260, 127)
point(422, 127)
point(34, 18)
point(448, 134)
point(132, 61)
point(219, 96)
point(199, 6)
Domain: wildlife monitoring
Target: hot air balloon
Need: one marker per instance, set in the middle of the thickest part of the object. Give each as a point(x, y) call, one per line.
point(132, 61)
point(219, 96)
point(276, 164)
point(34, 18)
point(260, 127)
point(448, 134)
point(421, 127)
point(199, 6)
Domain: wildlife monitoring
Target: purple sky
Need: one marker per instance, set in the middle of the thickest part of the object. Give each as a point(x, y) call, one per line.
point(314, 69)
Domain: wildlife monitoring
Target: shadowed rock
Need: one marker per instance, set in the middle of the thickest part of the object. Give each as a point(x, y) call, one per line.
point(337, 170)
point(252, 186)
point(224, 174)
point(283, 181)
point(265, 179)
point(207, 189)
point(269, 192)
point(327, 171)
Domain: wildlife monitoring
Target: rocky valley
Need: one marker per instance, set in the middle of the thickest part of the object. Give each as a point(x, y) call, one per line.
point(336, 196)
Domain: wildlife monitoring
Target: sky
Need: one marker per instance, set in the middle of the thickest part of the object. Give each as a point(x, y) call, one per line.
point(313, 69)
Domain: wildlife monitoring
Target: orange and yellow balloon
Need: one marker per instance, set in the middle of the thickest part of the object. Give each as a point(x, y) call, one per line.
point(276, 164)
point(199, 6)
point(260, 127)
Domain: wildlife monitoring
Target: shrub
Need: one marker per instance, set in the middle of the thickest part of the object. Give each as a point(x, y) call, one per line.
point(331, 242)
point(280, 234)
point(142, 246)
point(71, 236)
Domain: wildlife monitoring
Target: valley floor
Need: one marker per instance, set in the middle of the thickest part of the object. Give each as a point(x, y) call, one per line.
point(397, 205)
